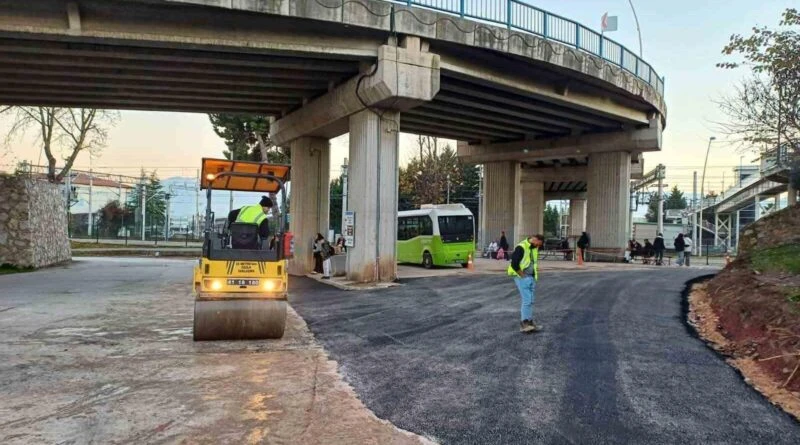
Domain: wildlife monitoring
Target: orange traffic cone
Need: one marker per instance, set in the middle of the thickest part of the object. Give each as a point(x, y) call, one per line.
point(470, 264)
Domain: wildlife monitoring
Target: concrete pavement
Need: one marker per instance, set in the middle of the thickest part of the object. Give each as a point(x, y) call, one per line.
point(615, 363)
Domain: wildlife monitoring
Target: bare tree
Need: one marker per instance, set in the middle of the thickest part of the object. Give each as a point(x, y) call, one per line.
point(761, 116)
point(64, 132)
point(765, 109)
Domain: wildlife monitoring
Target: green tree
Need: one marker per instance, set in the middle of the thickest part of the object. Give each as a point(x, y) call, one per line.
point(424, 180)
point(335, 212)
point(674, 200)
point(155, 205)
point(552, 220)
point(247, 138)
point(765, 109)
point(111, 218)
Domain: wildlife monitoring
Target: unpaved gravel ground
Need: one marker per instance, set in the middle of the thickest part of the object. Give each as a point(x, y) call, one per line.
point(101, 352)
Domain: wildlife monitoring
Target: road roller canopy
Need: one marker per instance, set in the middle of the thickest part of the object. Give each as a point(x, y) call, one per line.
point(247, 176)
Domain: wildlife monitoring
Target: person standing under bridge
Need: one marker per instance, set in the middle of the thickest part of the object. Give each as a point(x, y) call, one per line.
point(525, 270)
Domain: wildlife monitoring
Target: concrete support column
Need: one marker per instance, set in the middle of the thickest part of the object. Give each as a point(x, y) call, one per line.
point(608, 203)
point(577, 216)
point(502, 200)
point(791, 198)
point(309, 200)
point(372, 186)
point(532, 206)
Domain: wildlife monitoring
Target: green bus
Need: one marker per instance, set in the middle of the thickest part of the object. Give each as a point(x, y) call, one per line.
point(436, 235)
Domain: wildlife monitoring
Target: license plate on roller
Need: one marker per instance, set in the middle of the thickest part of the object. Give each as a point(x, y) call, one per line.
point(235, 282)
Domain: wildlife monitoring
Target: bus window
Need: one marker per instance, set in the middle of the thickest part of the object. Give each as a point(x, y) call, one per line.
point(412, 227)
point(425, 226)
point(401, 229)
point(407, 228)
point(456, 229)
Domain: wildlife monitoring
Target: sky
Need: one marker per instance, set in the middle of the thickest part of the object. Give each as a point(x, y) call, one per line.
point(682, 40)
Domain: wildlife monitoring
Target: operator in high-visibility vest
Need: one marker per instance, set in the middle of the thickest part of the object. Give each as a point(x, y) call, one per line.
point(525, 270)
point(253, 214)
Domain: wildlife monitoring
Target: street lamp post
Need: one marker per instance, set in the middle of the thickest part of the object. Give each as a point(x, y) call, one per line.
point(638, 29)
point(702, 196)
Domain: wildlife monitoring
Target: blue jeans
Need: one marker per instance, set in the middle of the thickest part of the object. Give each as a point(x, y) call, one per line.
point(527, 289)
point(680, 258)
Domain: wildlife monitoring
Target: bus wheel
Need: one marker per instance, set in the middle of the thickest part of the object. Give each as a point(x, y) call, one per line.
point(427, 260)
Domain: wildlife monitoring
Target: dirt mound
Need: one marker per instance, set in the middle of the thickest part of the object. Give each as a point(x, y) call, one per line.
point(755, 305)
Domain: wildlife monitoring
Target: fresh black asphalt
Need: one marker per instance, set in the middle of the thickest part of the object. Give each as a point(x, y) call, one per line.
point(615, 363)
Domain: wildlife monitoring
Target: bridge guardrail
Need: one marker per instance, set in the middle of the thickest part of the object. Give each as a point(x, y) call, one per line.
point(521, 16)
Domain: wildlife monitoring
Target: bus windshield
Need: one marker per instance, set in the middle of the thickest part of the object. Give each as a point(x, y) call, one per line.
point(456, 229)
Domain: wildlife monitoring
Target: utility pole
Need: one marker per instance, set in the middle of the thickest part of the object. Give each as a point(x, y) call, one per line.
point(166, 219)
point(660, 214)
point(702, 195)
point(69, 202)
point(695, 230)
point(344, 193)
point(91, 214)
point(143, 201)
point(196, 217)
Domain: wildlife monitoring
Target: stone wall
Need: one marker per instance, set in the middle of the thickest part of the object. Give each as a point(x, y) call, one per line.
point(780, 228)
point(33, 223)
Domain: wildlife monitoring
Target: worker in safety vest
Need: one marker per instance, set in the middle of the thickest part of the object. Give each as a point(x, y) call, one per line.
point(253, 214)
point(525, 270)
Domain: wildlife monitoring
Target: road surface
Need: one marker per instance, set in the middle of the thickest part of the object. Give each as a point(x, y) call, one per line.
point(100, 352)
point(615, 363)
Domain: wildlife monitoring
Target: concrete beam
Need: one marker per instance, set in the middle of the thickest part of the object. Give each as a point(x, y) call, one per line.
point(564, 196)
point(647, 139)
point(74, 17)
point(402, 79)
point(576, 173)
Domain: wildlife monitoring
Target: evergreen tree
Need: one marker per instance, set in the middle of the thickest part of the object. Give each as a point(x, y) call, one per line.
point(155, 206)
point(335, 212)
point(674, 201)
point(551, 221)
point(247, 138)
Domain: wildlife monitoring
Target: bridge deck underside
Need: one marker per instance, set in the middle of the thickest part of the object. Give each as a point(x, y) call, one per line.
point(120, 75)
point(469, 110)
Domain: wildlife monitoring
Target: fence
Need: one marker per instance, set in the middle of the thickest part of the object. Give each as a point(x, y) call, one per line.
point(523, 17)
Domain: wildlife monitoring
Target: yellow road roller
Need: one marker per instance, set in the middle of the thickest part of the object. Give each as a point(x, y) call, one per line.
point(241, 282)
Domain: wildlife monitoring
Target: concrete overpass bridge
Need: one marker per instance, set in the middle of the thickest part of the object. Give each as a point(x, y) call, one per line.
point(550, 107)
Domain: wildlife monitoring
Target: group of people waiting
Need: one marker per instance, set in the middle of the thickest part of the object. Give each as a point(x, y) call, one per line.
point(498, 249)
point(654, 252)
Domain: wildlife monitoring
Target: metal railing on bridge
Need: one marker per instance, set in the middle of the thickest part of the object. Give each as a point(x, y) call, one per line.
point(521, 16)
